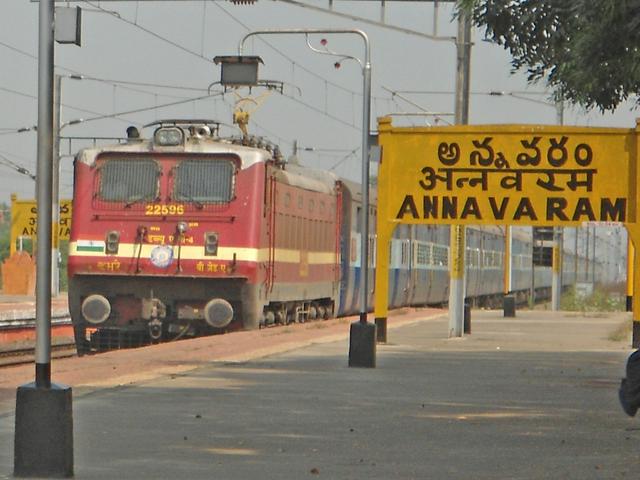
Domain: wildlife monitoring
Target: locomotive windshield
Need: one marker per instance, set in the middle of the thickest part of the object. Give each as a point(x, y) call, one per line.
point(204, 181)
point(130, 180)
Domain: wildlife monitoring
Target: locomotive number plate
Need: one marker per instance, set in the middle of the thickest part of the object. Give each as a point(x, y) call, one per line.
point(172, 209)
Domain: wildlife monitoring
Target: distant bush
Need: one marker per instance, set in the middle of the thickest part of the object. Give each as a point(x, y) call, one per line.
point(601, 300)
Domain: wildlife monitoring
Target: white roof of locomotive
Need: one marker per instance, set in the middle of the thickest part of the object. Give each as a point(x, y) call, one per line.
point(248, 155)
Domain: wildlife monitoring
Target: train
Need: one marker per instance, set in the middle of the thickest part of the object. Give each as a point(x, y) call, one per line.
point(188, 233)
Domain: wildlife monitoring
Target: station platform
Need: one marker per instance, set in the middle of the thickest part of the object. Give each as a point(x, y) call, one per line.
point(530, 397)
point(17, 320)
point(23, 307)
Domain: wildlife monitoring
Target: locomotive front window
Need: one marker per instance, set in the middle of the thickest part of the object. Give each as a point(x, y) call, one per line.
point(128, 180)
point(204, 181)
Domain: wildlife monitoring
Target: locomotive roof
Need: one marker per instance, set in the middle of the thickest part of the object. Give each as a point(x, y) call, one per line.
point(248, 155)
point(310, 178)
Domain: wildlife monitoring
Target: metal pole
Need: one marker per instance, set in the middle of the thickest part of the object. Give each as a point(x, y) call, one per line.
point(457, 240)
point(366, 105)
point(630, 264)
point(362, 335)
point(532, 293)
point(44, 195)
point(556, 281)
point(586, 255)
point(366, 121)
point(593, 267)
point(575, 257)
point(55, 189)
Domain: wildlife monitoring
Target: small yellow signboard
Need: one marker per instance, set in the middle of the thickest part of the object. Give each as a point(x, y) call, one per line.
point(24, 218)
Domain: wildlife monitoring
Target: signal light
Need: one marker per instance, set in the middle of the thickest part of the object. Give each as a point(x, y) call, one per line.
point(112, 242)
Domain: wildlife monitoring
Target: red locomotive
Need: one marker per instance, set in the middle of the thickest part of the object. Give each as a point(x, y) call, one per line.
point(186, 233)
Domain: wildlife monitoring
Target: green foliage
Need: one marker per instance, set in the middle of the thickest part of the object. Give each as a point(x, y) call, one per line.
point(5, 232)
point(599, 301)
point(64, 256)
point(588, 51)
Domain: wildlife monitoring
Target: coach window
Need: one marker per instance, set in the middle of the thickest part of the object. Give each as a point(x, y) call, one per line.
point(128, 180)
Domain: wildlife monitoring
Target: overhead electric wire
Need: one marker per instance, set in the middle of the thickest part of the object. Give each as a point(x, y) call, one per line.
point(18, 168)
point(368, 21)
point(118, 114)
point(150, 32)
point(34, 97)
point(34, 57)
point(343, 159)
point(193, 53)
point(143, 84)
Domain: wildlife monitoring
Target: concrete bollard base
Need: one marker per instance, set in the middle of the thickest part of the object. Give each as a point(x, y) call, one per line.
point(381, 329)
point(509, 305)
point(43, 432)
point(362, 345)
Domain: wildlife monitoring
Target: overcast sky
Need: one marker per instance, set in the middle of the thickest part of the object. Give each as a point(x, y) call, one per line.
point(131, 48)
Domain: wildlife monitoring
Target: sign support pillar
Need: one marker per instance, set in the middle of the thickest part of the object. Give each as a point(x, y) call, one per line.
point(631, 253)
point(556, 268)
point(457, 245)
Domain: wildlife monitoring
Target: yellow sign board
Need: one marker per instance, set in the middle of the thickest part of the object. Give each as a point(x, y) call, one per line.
point(534, 175)
point(24, 218)
point(506, 174)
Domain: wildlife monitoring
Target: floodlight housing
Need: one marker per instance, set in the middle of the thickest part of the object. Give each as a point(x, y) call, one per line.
point(238, 70)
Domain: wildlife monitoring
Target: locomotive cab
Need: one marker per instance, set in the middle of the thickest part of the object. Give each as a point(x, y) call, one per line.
point(163, 242)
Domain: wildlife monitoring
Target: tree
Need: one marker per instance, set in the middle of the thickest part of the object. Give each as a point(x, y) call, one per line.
point(587, 51)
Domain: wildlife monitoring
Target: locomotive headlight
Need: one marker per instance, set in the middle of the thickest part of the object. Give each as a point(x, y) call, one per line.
point(182, 228)
point(112, 242)
point(210, 243)
point(168, 137)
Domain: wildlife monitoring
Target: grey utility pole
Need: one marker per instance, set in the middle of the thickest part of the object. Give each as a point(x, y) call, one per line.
point(457, 243)
point(558, 237)
point(43, 444)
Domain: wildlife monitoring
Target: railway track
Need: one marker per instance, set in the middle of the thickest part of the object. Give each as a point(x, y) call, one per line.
point(17, 337)
point(22, 355)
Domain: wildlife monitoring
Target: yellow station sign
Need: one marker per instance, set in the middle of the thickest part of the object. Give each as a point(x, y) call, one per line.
point(24, 218)
point(506, 174)
point(529, 175)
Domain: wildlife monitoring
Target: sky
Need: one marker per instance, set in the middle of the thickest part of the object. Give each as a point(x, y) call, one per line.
point(150, 60)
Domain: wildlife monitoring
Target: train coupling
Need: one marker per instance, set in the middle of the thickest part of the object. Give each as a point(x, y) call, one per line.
point(154, 310)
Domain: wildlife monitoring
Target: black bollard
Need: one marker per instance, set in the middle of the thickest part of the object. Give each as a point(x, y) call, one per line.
point(635, 334)
point(362, 345)
point(509, 305)
point(43, 432)
point(467, 318)
point(381, 329)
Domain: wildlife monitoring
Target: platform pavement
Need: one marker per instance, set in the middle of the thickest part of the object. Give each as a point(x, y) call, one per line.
point(531, 397)
point(23, 307)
